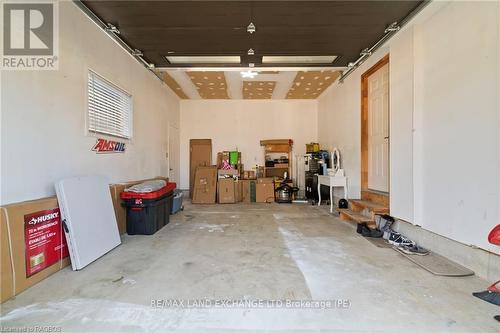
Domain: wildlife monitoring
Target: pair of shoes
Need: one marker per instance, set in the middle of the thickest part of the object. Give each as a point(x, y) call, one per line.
point(414, 249)
point(366, 231)
point(360, 227)
point(395, 238)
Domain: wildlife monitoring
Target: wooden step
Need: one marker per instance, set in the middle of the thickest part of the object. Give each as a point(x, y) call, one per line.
point(349, 215)
point(376, 208)
point(375, 196)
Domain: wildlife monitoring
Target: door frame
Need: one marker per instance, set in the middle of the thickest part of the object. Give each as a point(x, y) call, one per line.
point(364, 120)
point(173, 162)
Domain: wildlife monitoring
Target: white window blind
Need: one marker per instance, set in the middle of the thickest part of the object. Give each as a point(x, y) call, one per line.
point(109, 108)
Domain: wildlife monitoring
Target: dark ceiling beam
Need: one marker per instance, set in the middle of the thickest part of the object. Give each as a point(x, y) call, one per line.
point(390, 31)
point(187, 28)
point(114, 34)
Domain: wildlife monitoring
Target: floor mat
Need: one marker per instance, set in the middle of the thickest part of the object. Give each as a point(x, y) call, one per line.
point(437, 265)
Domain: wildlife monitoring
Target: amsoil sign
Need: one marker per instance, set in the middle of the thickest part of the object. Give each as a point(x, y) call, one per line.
point(30, 35)
point(45, 242)
point(108, 146)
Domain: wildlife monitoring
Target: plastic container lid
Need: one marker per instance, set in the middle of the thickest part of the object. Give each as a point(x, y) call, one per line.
point(149, 195)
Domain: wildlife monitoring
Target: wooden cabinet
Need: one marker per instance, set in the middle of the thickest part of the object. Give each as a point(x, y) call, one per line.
point(275, 149)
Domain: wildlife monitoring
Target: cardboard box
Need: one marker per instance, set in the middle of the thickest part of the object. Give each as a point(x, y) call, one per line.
point(238, 185)
point(264, 192)
point(266, 180)
point(229, 191)
point(205, 185)
point(225, 191)
point(230, 173)
point(248, 174)
point(312, 147)
point(14, 277)
point(248, 190)
point(222, 156)
point(120, 211)
point(200, 154)
point(12, 222)
point(259, 172)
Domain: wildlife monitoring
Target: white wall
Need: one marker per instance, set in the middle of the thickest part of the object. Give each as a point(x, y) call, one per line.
point(43, 115)
point(241, 124)
point(445, 121)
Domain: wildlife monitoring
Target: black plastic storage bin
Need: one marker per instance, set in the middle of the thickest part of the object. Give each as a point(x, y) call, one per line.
point(148, 212)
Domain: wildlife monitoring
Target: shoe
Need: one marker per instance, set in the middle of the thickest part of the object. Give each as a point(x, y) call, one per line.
point(488, 296)
point(384, 222)
point(395, 238)
point(367, 232)
point(414, 249)
point(360, 228)
point(375, 233)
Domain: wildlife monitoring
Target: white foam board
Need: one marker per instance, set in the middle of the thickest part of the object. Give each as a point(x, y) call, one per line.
point(89, 218)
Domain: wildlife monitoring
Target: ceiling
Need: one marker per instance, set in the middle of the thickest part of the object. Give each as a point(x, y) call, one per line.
point(195, 84)
point(336, 29)
point(298, 48)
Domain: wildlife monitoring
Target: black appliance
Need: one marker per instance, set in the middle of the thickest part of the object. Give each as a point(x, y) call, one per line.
point(314, 167)
point(284, 193)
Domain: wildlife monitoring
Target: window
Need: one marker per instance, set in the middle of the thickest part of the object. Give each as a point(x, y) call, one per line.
point(109, 108)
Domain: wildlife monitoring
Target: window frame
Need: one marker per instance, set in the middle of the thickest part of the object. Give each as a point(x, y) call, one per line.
point(93, 132)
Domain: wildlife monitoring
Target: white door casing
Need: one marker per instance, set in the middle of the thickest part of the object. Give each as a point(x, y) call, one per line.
point(173, 157)
point(378, 130)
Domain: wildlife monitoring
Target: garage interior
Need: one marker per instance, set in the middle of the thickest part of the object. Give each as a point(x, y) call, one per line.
point(230, 166)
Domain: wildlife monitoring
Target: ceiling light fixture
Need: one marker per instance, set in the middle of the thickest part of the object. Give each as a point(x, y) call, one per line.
point(248, 74)
point(316, 60)
point(203, 59)
point(394, 26)
point(251, 28)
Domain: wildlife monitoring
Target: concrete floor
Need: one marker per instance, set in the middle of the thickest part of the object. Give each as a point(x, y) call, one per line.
point(249, 252)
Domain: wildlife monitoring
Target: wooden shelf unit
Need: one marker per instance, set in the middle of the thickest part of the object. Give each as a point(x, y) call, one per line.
point(283, 146)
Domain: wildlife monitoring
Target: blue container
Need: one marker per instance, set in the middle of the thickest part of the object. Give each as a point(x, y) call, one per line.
point(177, 202)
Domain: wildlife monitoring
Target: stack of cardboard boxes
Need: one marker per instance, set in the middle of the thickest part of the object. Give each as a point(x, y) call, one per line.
point(228, 182)
point(239, 185)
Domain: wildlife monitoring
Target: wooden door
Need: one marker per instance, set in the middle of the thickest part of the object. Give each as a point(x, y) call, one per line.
point(378, 130)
